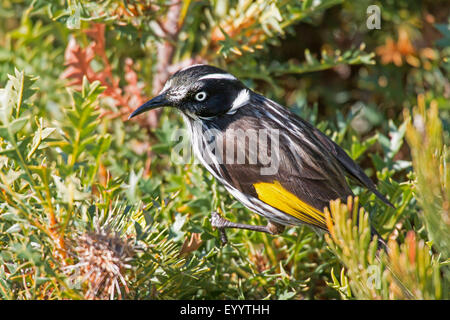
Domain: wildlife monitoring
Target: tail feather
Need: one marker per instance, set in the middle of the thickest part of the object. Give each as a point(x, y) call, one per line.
point(353, 170)
point(383, 198)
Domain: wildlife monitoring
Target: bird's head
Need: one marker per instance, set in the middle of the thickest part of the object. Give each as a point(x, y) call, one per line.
point(200, 91)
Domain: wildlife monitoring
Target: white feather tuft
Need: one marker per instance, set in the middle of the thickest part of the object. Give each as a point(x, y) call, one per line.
point(242, 99)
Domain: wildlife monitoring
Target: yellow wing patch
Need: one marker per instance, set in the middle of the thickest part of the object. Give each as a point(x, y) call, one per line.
point(275, 195)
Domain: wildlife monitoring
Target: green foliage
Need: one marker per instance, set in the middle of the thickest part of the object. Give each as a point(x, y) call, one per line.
point(76, 178)
point(430, 160)
point(48, 204)
point(405, 271)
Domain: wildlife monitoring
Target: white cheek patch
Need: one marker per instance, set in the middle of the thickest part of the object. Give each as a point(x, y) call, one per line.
point(218, 76)
point(241, 100)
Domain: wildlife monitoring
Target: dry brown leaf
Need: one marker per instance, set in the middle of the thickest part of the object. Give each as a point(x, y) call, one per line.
point(191, 244)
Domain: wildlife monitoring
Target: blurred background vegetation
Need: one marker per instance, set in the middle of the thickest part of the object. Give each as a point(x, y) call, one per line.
point(93, 207)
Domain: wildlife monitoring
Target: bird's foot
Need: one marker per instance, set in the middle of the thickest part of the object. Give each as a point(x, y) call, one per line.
point(221, 224)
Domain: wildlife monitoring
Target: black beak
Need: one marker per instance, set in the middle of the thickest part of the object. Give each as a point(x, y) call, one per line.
point(156, 102)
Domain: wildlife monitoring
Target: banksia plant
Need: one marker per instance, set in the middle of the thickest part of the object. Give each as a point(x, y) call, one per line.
point(430, 161)
point(103, 258)
point(415, 268)
point(413, 272)
point(350, 239)
point(69, 224)
point(92, 206)
point(399, 271)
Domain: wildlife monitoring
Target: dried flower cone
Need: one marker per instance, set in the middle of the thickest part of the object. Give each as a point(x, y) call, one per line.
point(103, 256)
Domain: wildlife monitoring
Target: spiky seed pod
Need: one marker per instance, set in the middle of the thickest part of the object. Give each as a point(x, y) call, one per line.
point(102, 256)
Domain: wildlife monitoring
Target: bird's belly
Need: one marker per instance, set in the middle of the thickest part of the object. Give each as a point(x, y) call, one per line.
point(262, 208)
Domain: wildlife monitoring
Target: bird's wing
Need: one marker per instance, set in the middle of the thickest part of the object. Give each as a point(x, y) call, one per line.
point(300, 191)
point(311, 170)
point(304, 180)
point(353, 170)
point(350, 167)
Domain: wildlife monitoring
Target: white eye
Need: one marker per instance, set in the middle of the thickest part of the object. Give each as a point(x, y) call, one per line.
point(200, 96)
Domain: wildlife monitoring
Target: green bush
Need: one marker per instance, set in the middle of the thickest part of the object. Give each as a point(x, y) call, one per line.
point(93, 207)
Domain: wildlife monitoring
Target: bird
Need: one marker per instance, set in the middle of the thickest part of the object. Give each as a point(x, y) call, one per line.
point(275, 163)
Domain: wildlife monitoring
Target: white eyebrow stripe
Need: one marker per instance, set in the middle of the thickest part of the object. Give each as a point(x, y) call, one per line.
point(241, 100)
point(218, 76)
